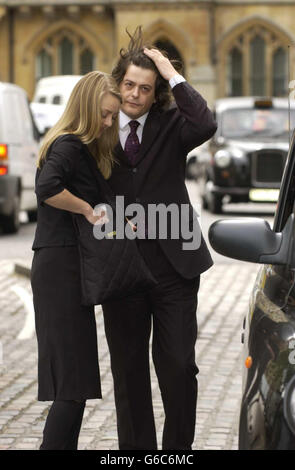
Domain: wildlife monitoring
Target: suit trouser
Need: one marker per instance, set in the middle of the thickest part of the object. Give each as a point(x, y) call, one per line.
point(170, 310)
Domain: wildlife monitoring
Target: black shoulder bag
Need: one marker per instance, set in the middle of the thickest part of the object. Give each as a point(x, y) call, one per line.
point(111, 268)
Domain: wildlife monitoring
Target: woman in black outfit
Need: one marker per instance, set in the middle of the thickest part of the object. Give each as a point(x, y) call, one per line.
point(68, 370)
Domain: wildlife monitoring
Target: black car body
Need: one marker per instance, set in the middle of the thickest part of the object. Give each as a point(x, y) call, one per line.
point(267, 417)
point(244, 161)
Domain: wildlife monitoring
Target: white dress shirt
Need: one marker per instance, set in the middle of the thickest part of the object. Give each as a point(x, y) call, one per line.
point(124, 128)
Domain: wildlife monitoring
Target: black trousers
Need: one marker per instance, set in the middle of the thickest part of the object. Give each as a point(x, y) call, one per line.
point(62, 427)
point(169, 310)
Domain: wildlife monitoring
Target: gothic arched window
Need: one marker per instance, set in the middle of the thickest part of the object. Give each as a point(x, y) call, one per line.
point(256, 63)
point(235, 72)
point(279, 72)
point(44, 64)
point(257, 66)
point(64, 53)
point(66, 56)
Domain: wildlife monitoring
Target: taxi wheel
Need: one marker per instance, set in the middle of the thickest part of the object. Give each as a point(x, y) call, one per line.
point(215, 204)
point(191, 170)
point(32, 216)
point(204, 202)
point(11, 223)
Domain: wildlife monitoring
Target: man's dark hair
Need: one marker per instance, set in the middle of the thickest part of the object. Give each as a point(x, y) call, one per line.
point(134, 55)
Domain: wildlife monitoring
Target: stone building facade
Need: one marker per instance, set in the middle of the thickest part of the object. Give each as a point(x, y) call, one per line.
point(228, 47)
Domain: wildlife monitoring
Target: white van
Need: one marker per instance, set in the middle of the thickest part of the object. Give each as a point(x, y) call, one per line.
point(50, 98)
point(19, 146)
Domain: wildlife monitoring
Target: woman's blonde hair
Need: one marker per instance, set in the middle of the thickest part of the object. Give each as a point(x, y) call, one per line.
point(82, 117)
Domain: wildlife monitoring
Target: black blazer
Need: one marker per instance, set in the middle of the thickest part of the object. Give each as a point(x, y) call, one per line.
point(159, 173)
point(65, 168)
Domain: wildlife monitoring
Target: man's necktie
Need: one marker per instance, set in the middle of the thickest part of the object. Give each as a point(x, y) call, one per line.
point(132, 143)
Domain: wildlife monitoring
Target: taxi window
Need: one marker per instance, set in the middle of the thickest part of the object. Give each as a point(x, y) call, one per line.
point(251, 122)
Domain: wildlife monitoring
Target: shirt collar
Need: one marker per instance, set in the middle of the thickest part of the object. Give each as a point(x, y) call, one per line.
point(124, 119)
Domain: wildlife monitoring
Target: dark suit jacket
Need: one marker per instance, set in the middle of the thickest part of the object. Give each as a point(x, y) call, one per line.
point(65, 168)
point(159, 173)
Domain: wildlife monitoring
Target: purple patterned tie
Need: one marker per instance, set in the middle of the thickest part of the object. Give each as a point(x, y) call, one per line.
point(132, 143)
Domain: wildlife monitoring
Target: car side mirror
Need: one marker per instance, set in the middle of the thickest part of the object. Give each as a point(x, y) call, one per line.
point(253, 240)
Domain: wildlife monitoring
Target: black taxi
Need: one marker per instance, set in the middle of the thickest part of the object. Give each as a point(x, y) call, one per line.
point(244, 161)
point(267, 414)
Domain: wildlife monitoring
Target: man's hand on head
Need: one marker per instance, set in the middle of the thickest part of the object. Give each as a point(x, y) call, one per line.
point(162, 63)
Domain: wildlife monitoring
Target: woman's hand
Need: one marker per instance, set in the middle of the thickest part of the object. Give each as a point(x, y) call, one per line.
point(96, 216)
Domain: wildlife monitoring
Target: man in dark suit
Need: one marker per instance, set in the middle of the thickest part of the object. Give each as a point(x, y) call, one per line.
point(155, 137)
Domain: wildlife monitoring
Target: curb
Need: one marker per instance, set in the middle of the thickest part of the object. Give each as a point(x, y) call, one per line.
point(23, 268)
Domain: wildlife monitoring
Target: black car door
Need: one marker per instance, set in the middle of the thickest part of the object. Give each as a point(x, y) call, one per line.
point(270, 328)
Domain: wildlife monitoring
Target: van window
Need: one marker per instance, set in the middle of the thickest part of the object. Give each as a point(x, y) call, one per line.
point(56, 99)
point(42, 99)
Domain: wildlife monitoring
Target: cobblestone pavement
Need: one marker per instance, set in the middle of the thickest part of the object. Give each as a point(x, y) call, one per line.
point(223, 301)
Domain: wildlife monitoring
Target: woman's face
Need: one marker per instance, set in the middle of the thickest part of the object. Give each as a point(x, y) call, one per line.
point(110, 106)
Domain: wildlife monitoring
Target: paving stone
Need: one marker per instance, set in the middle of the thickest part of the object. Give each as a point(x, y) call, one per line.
point(218, 355)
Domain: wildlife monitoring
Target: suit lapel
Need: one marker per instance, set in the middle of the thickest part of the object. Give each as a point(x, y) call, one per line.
point(150, 131)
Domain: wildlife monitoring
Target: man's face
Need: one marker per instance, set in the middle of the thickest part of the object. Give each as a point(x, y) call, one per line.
point(138, 91)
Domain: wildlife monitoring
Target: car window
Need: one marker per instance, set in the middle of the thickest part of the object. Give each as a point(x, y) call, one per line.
point(42, 99)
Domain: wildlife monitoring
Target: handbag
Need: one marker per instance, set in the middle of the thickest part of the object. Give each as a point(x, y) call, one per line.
point(111, 268)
